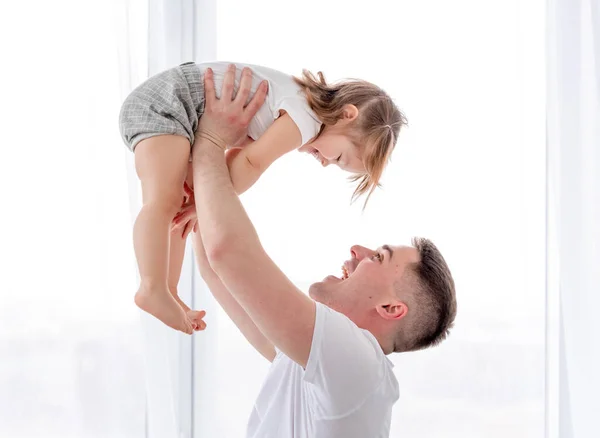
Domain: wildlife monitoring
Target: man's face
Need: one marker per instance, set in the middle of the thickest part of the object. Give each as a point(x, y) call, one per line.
point(366, 286)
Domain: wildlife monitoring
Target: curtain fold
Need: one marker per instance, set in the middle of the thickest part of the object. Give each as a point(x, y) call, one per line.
point(70, 354)
point(157, 35)
point(574, 215)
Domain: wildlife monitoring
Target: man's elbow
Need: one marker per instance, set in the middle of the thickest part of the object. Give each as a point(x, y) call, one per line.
point(216, 252)
point(230, 252)
point(220, 253)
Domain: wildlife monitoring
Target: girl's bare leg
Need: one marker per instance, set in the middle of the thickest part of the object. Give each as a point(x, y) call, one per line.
point(161, 163)
point(176, 255)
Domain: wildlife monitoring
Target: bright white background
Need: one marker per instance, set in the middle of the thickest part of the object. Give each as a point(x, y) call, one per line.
point(468, 173)
point(70, 344)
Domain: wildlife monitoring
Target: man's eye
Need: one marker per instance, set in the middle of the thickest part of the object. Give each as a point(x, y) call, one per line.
point(378, 257)
point(339, 158)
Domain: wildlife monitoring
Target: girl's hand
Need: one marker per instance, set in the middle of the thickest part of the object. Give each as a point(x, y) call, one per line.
point(186, 217)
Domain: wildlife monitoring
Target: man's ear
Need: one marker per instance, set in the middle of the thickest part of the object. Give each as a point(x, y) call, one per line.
point(395, 310)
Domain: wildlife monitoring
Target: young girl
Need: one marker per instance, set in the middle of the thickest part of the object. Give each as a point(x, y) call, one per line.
point(352, 124)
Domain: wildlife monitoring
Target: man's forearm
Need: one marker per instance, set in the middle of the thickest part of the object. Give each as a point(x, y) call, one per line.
point(238, 315)
point(279, 310)
point(222, 219)
point(232, 308)
point(223, 296)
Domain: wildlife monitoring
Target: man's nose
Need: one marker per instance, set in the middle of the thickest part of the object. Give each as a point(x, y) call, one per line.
point(360, 252)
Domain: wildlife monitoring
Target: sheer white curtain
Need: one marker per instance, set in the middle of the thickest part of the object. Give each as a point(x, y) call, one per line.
point(70, 355)
point(573, 216)
point(469, 173)
point(161, 34)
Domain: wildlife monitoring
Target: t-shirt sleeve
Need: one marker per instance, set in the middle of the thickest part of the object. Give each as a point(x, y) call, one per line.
point(302, 115)
point(345, 364)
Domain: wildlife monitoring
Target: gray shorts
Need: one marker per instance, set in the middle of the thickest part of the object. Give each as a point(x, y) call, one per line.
point(167, 103)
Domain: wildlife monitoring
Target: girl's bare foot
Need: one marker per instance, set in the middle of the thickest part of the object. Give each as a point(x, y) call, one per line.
point(160, 303)
point(195, 316)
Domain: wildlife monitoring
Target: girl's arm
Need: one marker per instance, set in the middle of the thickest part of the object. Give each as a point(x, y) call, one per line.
point(250, 162)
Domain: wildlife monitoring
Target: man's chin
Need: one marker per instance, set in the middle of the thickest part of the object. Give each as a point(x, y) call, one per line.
point(320, 290)
point(313, 290)
point(332, 279)
point(317, 291)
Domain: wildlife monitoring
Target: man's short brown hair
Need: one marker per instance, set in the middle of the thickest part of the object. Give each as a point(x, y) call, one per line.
point(432, 295)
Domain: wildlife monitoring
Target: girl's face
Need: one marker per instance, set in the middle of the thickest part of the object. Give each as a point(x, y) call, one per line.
point(334, 147)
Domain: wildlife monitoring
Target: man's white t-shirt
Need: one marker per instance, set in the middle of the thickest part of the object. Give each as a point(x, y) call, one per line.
point(284, 94)
point(347, 390)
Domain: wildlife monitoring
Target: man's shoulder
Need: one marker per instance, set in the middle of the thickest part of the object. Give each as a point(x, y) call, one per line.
point(331, 315)
point(347, 369)
point(334, 326)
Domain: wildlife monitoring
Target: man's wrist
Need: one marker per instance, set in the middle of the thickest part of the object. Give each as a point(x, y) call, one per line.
point(211, 137)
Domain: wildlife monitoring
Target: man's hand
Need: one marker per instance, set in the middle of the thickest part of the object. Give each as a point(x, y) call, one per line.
point(225, 121)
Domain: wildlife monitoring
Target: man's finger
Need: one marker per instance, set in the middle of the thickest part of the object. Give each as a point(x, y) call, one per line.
point(257, 101)
point(228, 82)
point(209, 87)
point(245, 87)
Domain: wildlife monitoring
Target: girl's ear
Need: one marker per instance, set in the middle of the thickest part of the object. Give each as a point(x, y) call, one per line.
point(350, 112)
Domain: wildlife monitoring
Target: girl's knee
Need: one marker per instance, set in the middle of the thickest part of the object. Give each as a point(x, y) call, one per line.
point(167, 205)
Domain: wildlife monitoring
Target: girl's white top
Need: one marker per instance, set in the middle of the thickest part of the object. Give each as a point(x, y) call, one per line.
point(284, 94)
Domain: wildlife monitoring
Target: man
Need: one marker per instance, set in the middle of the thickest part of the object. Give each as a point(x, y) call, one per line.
point(330, 375)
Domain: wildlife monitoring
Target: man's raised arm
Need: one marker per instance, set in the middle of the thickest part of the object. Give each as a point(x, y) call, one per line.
point(281, 312)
